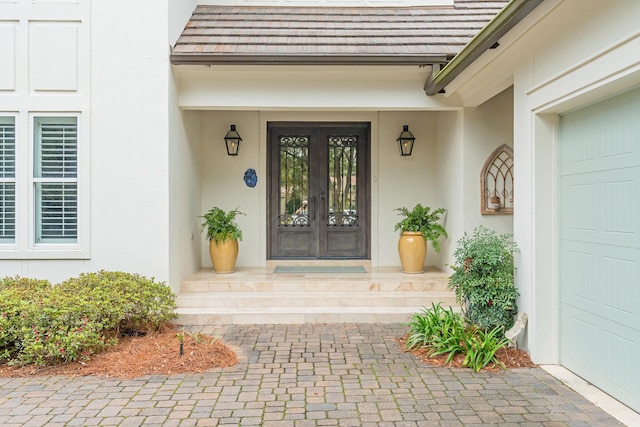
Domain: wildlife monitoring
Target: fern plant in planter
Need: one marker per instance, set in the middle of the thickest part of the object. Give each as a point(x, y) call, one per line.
point(418, 226)
point(483, 278)
point(223, 233)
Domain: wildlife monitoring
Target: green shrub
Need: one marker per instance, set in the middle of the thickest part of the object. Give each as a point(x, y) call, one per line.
point(56, 332)
point(127, 301)
point(17, 296)
point(444, 332)
point(432, 326)
point(43, 325)
point(483, 278)
point(25, 284)
point(424, 220)
point(481, 347)
point(221, 225)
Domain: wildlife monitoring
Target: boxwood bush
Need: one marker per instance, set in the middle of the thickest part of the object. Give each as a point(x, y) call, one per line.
point(44, 324)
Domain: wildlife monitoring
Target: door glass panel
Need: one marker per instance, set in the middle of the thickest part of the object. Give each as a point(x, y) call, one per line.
point(342, 189)
point(293, 206)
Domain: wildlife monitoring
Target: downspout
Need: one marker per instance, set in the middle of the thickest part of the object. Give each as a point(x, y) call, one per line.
point(509, 17)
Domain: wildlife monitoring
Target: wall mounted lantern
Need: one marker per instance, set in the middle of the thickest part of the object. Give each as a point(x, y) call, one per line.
point(232, 139)
point(405, 141)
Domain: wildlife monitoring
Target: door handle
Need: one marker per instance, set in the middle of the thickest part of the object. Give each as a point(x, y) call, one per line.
point(322, 212)
point(313, 208)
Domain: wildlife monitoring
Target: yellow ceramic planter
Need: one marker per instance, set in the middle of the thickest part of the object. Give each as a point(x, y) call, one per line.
point(412, 249)
point(224, 255)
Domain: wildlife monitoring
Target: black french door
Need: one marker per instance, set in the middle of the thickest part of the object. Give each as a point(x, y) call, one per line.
point(325, 165)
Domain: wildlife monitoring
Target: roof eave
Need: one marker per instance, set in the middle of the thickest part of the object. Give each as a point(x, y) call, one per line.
point(217, 59)
point(501, 24)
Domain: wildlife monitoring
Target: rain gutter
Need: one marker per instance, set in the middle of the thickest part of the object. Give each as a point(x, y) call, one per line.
point(509, 17)
point(221, 59)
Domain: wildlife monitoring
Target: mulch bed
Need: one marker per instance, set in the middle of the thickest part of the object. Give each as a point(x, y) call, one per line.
point(137, 356)
point(159, 353)
point(511, 358)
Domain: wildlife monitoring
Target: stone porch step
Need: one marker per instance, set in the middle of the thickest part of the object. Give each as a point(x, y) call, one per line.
point(314, 285)
point(299, 315)
point(257, 295)
point(312, 299)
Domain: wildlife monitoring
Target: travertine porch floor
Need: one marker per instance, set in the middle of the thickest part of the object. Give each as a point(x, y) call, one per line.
point(257, 295)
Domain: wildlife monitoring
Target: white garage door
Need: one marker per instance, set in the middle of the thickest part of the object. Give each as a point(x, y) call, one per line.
point(599, 246)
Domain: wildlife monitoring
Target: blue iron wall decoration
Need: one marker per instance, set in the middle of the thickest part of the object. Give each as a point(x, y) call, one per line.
point(250, 177)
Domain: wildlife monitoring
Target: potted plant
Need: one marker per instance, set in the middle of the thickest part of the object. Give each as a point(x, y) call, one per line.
point(418, 226)
point(223, 233)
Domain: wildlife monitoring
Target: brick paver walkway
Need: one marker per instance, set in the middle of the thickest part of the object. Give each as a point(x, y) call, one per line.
point(305, 375)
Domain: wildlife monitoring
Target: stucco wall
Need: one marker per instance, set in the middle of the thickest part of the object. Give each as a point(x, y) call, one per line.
point(567, 54)
point(395, 181)
point(184, 152)
point(45, 70)
point(222, 178)
point(449, 169)
point(593, 58)
point(184, 195)
point(130, 138)
point(486, 127)
point(116, 79)
point(404, 181)
point(307, 87)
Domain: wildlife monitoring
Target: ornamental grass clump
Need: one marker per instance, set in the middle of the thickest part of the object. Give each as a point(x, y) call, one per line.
point(441, 331)
point(483, 278)
point(43, 325)
point(432, 326)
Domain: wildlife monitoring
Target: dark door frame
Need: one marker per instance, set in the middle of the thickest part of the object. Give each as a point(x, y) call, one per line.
point(329, 237)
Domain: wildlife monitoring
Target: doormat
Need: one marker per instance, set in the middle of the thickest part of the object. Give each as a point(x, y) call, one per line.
point(319, 269)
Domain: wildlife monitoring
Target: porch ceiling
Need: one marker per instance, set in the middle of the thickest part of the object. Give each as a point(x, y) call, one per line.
point(331, 35)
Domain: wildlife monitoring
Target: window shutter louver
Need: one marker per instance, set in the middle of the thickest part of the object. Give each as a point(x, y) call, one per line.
point(56, 186)
point(7, 179)
point(58, 150)
point(58, 211)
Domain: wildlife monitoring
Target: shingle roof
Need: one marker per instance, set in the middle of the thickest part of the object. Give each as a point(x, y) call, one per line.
point(254, 35)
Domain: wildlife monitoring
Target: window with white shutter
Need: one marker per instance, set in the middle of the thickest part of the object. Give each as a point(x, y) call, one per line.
point(55, 179)
point(7, 180)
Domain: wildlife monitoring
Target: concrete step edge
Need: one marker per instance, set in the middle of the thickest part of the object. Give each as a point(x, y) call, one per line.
point(288, 310)
point(297, 294)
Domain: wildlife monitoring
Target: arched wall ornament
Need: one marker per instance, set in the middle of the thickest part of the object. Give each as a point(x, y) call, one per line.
point(496, 183)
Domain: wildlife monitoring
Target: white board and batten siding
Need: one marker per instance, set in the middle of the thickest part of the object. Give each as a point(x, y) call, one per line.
point(599, 245)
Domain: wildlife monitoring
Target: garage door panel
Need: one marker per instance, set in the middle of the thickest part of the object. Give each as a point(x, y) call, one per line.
point(593, 339)
point(619, 206)
point(579, 280)
point(577, 338)
point(601, 137)
point(605, 207)
point(599, 245)
point(621, 290)
point(617, 346)
point(602, 279)
point(579, 223)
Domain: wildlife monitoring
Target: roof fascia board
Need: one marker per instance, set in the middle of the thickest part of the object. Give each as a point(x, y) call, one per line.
point(302, 71)
point(325, 3)
point(501, 24)
point(181, 59)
